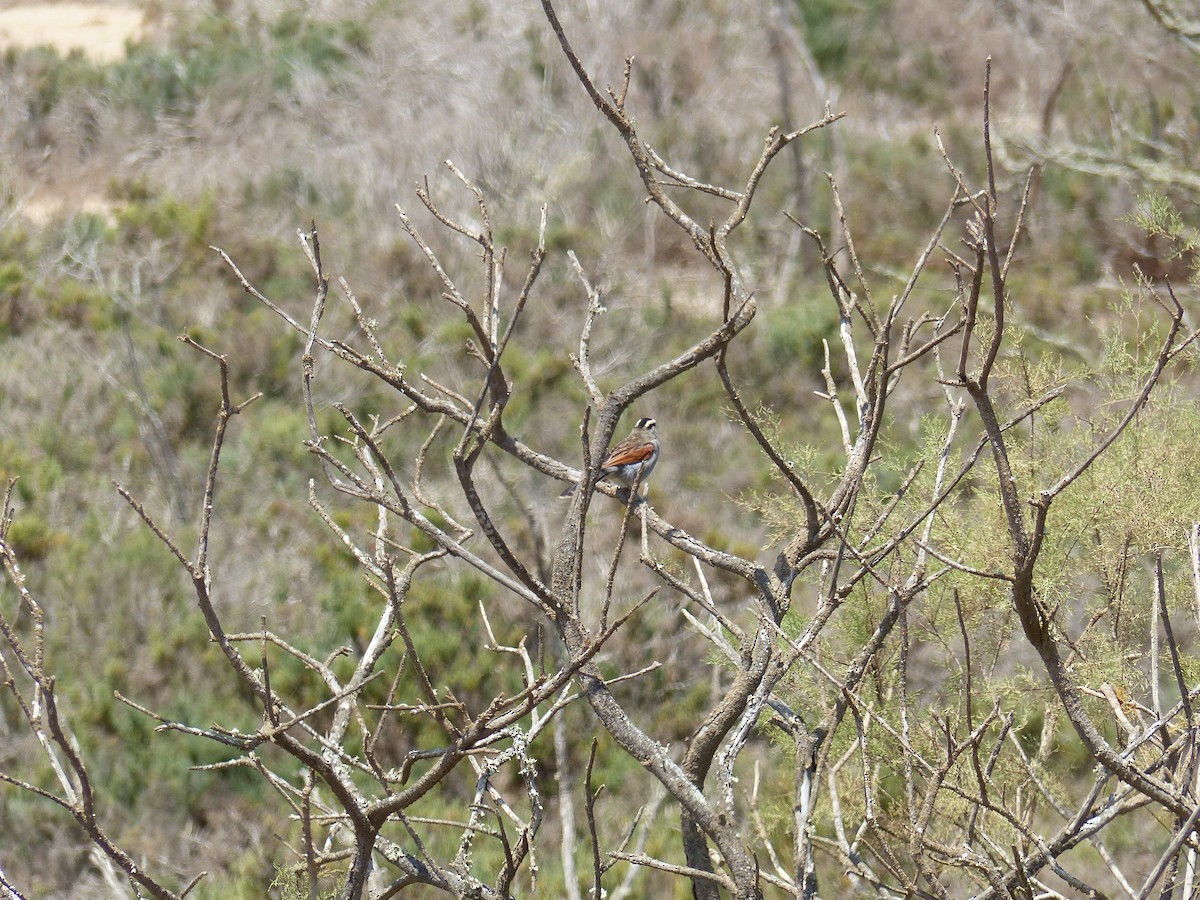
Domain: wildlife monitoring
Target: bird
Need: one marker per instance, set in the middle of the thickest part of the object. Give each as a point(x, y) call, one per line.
point(631, 460)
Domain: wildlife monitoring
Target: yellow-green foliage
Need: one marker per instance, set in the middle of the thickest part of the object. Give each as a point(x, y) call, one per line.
point(1158, 216)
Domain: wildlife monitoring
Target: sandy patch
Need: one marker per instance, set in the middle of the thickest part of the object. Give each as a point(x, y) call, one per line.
point(99, 31)
point(45, 208)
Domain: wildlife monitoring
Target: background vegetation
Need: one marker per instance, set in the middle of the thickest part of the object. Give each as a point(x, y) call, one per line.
point(235, 123)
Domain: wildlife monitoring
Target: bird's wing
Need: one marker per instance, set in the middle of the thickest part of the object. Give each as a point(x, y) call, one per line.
point(628, 455)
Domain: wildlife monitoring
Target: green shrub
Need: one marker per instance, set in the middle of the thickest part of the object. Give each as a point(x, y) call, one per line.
point(32, 538)
point(833, 27)
point(78, 304)
point(13, 287)
point(51, 75)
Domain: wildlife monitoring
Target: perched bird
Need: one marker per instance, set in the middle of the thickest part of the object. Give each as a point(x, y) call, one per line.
point(632, 458)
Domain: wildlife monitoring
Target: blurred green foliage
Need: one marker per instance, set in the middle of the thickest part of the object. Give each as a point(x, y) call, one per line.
point(209, 52)
point(836, 31)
